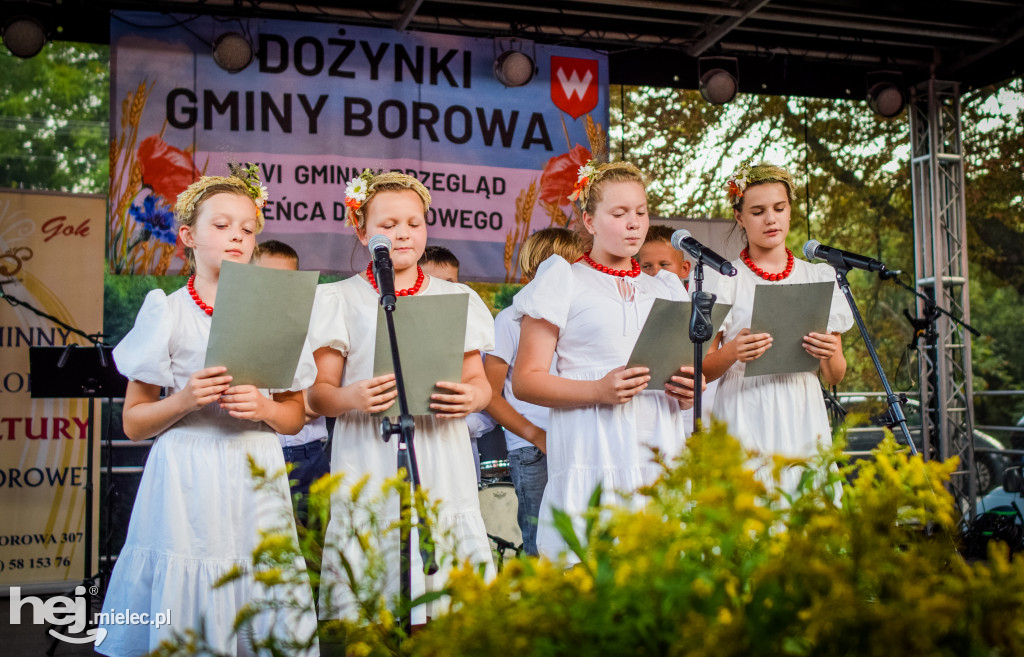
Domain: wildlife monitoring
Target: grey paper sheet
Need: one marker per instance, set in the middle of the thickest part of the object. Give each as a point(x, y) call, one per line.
point(664, 343)
point(431, 333)
point(788, 313)
point(260, 323)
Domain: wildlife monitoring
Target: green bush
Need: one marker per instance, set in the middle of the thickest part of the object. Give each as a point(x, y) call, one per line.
point(714, 564)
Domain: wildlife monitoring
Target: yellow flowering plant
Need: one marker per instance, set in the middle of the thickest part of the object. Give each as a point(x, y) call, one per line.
point(715, 563)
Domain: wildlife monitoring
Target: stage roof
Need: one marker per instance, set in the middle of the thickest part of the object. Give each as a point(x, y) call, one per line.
point(789, 47)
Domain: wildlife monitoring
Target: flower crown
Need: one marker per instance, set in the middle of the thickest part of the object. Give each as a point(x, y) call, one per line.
point(737, 184)
point(356, 192)
point(250, 175)
point(753, 174)
point(584, 177)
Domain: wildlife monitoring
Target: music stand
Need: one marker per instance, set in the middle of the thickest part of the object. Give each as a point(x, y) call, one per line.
point(79, 372)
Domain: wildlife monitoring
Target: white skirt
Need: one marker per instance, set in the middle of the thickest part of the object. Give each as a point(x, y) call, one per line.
point(196, 517)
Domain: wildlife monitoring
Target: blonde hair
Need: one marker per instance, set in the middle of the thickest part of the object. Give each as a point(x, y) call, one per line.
point(590, 195)
point(543, 244)
point(190, 201)
point(764, 173)
point(386, 181)
point(608, 172)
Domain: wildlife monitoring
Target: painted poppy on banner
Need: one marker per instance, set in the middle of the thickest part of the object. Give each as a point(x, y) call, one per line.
point(574, 85)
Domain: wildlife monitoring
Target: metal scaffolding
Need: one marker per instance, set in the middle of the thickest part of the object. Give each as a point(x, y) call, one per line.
point(940, 238)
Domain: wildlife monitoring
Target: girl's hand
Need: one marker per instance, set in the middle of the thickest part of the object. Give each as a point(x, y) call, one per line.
point(820, 345)
point(205, 387)
point(750, 346)
point(620, 385)
point(681, 389)
point(459, 404)
point(371, 395)
point(245, 403)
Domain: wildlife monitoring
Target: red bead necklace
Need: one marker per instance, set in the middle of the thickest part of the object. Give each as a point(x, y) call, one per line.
point(407, 292)
point(195, 296)
point(745, 256)
point(633, 273)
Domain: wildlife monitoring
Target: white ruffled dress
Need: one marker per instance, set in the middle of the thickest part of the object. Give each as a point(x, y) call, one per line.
point(606, 444)
point(774, 414)
point(197, 515)
point(345, 319)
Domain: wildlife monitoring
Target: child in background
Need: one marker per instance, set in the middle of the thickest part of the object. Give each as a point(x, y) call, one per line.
point(197, 515)
point(343, 331)
point(603, 423)
point(525, 424)
point(657, 253)
point(439, 262)
point(306, 450)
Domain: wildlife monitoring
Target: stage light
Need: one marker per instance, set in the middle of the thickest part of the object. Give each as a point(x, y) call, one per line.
point(512, 66)
point(719, 79)
point(886, 96)
point(232, 52)
point(24, 36)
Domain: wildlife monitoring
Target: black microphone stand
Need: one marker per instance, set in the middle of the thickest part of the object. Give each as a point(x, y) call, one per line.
point(701, 303)
point(81, 379)
point(932, 310)
point(405, 429)
point(895, 415)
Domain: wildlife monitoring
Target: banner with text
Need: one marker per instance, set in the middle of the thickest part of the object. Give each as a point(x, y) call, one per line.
point(51, 258)
point(318, 104)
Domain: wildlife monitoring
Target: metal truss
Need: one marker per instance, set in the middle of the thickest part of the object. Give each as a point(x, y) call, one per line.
point(940, 238)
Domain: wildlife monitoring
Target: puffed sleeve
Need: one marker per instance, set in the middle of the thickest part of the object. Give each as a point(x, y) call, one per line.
point(548, 295)
point(327, 325)
point(144, 354)
point(479, 323)
point(671, 287)
point(840, 317)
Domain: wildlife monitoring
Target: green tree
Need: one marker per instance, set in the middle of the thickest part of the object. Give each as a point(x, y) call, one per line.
point(54, 116)
point(857, 193)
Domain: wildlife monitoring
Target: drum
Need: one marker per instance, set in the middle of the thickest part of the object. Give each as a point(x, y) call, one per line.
point(499, 508)
point(493, 456)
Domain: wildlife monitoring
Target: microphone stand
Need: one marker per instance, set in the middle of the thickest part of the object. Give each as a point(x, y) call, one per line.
point(94, 385)
point(931, 310)
point(701, 303)
point(405, 429)
point(894, 415)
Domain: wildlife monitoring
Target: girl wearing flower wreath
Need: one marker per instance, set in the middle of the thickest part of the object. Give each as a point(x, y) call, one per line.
point(780, 414)
point(198, 515)
point(604, 420)
point(343, 334)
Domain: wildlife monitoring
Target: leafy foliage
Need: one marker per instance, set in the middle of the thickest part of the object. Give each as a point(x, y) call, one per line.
point(54, 116)
point(718, 565)
point(714, 563)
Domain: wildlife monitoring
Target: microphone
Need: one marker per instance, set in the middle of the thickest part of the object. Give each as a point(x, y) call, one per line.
point(383, 270)
point(682, 241)
point(889, 274)
point(840, 259)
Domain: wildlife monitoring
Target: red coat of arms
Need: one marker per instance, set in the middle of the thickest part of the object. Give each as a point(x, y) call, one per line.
point(574, 85)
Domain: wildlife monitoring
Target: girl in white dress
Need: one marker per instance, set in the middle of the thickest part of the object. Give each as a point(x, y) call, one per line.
point(774, 414)
point(604, 421)
point(197, 514)
point(343, 333)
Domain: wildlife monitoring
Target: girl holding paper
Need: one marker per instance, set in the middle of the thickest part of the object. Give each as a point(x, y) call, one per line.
point(780, 414)
point(343, 332)
point(198, 515)
point(604, 420)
